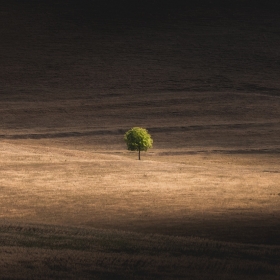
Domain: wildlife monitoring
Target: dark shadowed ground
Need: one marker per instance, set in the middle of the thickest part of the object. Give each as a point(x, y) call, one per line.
point(202, 76)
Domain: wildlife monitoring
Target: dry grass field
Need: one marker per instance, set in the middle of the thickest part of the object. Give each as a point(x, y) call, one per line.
point(204, 203)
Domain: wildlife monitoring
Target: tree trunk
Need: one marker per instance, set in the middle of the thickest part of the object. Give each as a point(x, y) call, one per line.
point(139, 154)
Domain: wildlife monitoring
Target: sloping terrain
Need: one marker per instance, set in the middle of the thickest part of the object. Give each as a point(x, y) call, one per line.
point(202, 77)
point(48, 252)
point(56, 50)
point(68, 213)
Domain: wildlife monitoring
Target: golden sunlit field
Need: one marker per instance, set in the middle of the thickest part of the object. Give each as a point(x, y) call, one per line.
point(203, 203)
point(75, 202)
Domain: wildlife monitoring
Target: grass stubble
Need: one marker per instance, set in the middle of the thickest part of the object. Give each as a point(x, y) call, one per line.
point(203, 204)
point(68, 213)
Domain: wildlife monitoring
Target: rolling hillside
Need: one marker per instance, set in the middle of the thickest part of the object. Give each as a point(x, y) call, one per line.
point(202, 77)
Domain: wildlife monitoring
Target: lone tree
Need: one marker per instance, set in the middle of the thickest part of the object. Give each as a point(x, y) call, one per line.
point(138, 139)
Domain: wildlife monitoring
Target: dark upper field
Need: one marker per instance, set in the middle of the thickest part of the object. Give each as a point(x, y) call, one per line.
point(70, 66)
point(83, 48)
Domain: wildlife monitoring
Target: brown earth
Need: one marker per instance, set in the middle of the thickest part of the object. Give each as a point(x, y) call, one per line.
point(204, 203)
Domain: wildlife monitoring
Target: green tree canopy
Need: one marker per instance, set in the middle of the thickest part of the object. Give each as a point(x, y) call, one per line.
point(138, 139)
